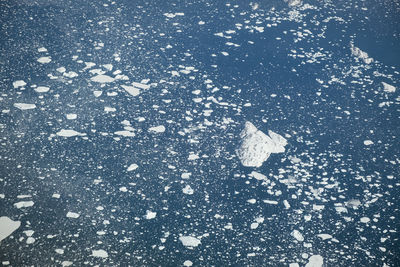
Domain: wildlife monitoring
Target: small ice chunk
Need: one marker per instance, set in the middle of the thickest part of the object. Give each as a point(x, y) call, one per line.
point(150, 214)
point(188, 190)
point(125, 133)
point(365, 220)
point(19, 83)
point(109, 109)
point(100, 253)
point(388, 88)
point(71, 116)
point(256, 146)
point(73, 215)
point(187, 263)
point(24, 204)
point(101, 78)
point(24, 106)
point(132, 167)
point(254, 225)
point(258, 176)
point(186, 175)
point(141, 85)
point(324, 236)
point(157, 129)
point(42, 89)
point(59, 251)
point(7, 227)
point(297, 235)
point(193, 156)
point(368, 142)
point(42, 49)
point(315, 261)
point(189, 241)
point(61, 69)
point(69, 133)
point(97, 93)
point(133, 91)
point(44, 60)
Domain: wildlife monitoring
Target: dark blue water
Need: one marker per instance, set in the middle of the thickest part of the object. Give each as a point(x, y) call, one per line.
point(295, 76)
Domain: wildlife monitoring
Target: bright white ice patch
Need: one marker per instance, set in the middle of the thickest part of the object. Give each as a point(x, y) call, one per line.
point(69, 133)
point(125, 133)
point(42, 89)
point(357, 52)
point(188, 263)
point(256, 146)
point(157, 129)
point(388, 88)
point(315, 261)
point(102, 79)
point(133, 91)
point(100, 253)
point(7, 227)
point(368, 142)
point(19, 83)
point(24, 106)
point(24, 204)
point(190, 241)
point(71, 116)
point(187, 190)
point(132, 167)
point(44, 60)
point(150, 214)
point(296, 234)
point(73, 215)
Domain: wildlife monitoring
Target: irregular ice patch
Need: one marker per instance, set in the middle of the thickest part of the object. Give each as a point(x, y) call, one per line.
point(297, 235)
point(315, 261)
point(357, 52)
point(256, 146)
point(7, 227)
point(73, 215)
point(42, 89)
point(132, 167)
point(388, 88)
point(69, 133)
point(187, 190)
point(24, 106)
point(19, 83)
point(44, 60)
point(101, 78)
point(24, 204)
point(133, 91)
point(190, 241)
point(125, 133)
point(157, 129)
point(150, 214)
point(100, 253)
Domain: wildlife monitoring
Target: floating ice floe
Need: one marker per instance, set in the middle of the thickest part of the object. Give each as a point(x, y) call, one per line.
point(133, 91)
point(157, 129)
point(19, 83)
point(357, 52)
point(73, 215)
point(42, 89)
point(101, 78)
point(69, 133)
point(24, 204)
point(44, 60)
point(388, 88)
point(315, 261)
point(150, 214)
point(132, 167)
point(7, 227)
point(24, 106)
point(100, 253)
point(256, 146)
point(189, 241)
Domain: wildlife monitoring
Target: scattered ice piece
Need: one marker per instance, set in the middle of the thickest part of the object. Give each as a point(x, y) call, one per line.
point(7, 227)
point(368, 142)
point(44, 60)
point(188, 190)
point(123, 189)
point(61, 69)
point(125, 133)
point(254, 225)
point(55, 195)
point(324, 236)
point(101, 78)
point(97, 93)
point(70, 74)
point(109, 109)
point(272, 202)
point(71, 116)
point(42, 49)
point(297, 235)
point(66, 263)
point(186, 175)
point(315, 261)
point(365, 220)
point(150, 214)
point(132, 167)
point(293, 3)
point(258, 176)
point(42, 89)
point(59, 251)
point(388, 88)
point(193, 156)
point(19, 83)
point(357, 52)
point(24, 106)
point(256, 146)
point(131, 90)
point(189, 241)
point(252, 201)
point(294, 265)
point(141, 85)
point(24, 204)
point(187, 263)
point(157, 129)
point(30, 240)
point(69, 133)
point(72, 215)
point(100, 253)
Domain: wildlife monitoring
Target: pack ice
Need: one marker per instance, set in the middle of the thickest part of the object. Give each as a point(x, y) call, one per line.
point(256, 146)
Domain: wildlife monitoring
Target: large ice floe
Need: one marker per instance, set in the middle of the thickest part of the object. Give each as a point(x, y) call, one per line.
point(256, 146)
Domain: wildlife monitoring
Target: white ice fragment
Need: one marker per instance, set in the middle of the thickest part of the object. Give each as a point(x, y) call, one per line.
point(357, 52)
point(24, 204)
point(19, 83)
point(125, 133)
point(132, 167)
point(186, 175)
point(254, 225)
point(69, 133)
point(59, 251)
point(157, 129)
point(315, 261)
point(55, 195)
point(368, 142)
point(100, 253)
point(189, 241)
point(61, 69)
point(131, 90)
point(388, 88)
point(324, 236)
point(294, 265)
point(258, 176)
point(187, 190)
point(193, 156)
point(42, 49)
point(109, 109)
point(7, 227)
point(71, 116)
point(42, 89)
point(73, 215)
point(141, 85)
point(365, 220)
point(187, 263)
point(101, 78)
point(256, 146)
point(293, 3)
point(44, 60)
point(150, 214)
point(97, 93)
point(252, 201)
point(24, 106)
point(297, 235)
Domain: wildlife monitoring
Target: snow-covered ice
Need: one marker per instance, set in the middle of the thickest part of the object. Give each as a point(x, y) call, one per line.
point(189, 241)
point(24, 204)
point(44, 60)
point(24, 106)
point(72, 215)
point(7, 227)
point(69, 133)
point(100, 253)
point(315, 261)
point(157, 129)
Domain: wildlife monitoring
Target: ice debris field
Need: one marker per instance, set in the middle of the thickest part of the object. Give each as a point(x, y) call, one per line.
point(199, 133)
